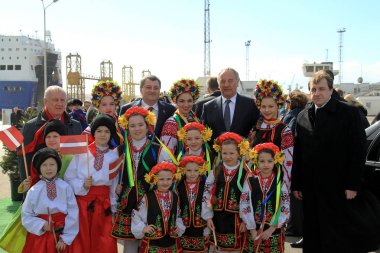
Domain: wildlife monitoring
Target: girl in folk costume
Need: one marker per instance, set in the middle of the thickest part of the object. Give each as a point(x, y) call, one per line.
point(195, 137)
point(190, 193)
point(106, 96)
point(50, 212)
point(224, 184)
point(269, 128)
point(141, 156)
point(183, 93)
point(157, 220)
point(94, 188)
point(264, 203)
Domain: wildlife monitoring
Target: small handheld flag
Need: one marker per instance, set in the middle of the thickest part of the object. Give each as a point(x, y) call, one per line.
point(115, 167)
point(73, 144)
point(12, 138)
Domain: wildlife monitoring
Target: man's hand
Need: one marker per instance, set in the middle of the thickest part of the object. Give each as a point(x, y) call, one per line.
point(297, 194)
point(350, 194)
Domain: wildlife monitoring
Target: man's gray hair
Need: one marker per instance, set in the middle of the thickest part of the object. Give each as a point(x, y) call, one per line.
point(233, 70)
point(53, 89)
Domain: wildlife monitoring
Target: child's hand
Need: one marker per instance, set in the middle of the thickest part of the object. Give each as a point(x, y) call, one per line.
point(148, 229)
point(119, 188)
point(87, 183)
point(242, 227)
point(26, 184)
point(253, 234)
point(61, 246)
point(268, 233)
point(176, 230)
point(46, 227)
point(210, 224)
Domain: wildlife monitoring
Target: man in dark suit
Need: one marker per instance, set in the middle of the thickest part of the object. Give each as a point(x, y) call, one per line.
point(230, 112)
point(54, 108)
point(150, 91)
point(213, 92)
point(329, 154)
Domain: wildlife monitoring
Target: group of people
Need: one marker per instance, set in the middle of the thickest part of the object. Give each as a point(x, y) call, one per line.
point(216, 178)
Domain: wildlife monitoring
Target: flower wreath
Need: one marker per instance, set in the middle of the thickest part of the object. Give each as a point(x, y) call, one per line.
point(105, 88)
point(269, 88)
point(279, 156)
point(243, 144)
point(182, 86)
point(194, 159)
point(149, 116)
point(206, 132)
point(152, 178)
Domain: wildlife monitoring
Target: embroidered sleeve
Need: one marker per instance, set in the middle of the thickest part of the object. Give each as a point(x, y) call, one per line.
point(179, 223)
point(71, 177)
point(245, 207)
point(71, 221)
point(287, 146)
point(139, 219)
point(285, 206)
point(207, 212)
point(29, 218)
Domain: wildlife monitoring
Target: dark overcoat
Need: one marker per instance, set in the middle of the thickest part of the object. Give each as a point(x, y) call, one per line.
point(329, 154)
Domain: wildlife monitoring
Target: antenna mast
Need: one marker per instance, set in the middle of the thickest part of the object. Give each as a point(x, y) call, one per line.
point(207, 65)
point(247, 44)
point(340, 31)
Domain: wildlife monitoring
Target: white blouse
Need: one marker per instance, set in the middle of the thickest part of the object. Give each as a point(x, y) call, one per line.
point(140, 218)
point(246, 209)
point(77, 172)
point(37, 202)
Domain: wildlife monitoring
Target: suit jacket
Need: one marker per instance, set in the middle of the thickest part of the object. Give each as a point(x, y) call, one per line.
point(165, 111)
point(245, 117)
point(198, 106)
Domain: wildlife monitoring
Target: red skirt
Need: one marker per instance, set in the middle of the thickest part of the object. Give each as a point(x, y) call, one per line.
point(95, 223)
point(45, 243)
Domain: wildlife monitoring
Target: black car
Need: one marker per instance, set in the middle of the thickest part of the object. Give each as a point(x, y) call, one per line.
point(371, 174)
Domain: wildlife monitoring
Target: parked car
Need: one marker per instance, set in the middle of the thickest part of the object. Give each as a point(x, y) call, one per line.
point(371, 174)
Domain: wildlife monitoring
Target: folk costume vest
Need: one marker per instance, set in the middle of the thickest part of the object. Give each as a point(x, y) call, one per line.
point(192, 239)
point(226, 209)
point(164, 235)
point(131, 196)
point(261, 190)
point(272, 134)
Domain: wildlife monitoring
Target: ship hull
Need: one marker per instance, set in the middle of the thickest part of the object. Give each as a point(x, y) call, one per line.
point(18, 93)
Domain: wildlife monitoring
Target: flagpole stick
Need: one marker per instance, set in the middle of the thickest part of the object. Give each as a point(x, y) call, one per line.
point(122, 172)
point(88, 159)
point(25, 163)
point(215, 242)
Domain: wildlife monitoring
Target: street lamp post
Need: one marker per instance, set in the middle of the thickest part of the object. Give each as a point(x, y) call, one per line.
point(45, 60)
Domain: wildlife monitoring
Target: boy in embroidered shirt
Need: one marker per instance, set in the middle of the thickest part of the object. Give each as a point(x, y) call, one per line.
point(95, 189)
point(264, 203)
point(50, 211)
point(157, 220)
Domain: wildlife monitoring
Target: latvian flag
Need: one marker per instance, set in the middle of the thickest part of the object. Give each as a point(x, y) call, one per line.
point(115, 167)
point(73, 144)
point(11, 137)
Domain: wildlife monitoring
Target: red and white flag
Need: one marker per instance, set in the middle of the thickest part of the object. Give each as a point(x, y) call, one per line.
point(73, 144)
point(115, 167)
point(12, 138)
